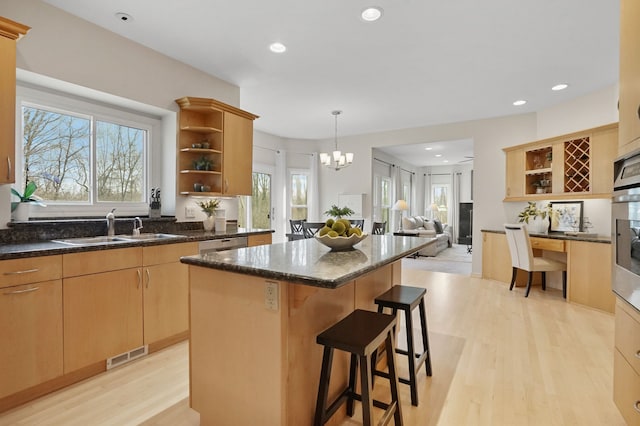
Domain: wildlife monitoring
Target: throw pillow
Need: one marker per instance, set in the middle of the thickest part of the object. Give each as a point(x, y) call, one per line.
point(419, 221)
point(429, 226)
point(438, 225)
point(408, 223)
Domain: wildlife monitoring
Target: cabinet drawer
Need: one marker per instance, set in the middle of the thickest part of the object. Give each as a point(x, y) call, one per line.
point(627, 336)
point(626, 389)
point(92, 262)
point(30, 270)
point(547, 244)
point(258, 240)
point(156, 255)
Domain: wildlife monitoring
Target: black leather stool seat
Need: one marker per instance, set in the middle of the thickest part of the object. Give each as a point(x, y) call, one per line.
point(360, 334)
point(406, 299)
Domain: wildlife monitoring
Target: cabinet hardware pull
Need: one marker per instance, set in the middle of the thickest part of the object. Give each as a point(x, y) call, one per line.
point(638, 111)
point(26, 271)
point(139, 278)
point(9, 168)
point(636, 406)
point(27, 290)
point(638, 354)
point(148, 277)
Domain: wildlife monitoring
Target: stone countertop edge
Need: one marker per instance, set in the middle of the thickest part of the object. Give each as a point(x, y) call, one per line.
point(308, 262)
point(51, 248)
point(559, 236)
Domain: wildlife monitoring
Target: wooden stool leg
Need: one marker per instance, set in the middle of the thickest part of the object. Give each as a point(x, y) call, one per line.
point(323, 387)
point(393, 379)
point(365, 390)
point(544, 280)
point(411, 357)
point(425, 337)
point(352, 384)
point(564, 284)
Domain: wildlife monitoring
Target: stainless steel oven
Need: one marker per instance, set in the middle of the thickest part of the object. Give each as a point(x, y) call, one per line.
point(625, 216)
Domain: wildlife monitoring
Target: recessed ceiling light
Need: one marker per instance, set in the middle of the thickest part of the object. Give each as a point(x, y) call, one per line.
point(371, 14)
point(438, 155)
point(124, 17)
point(277, 47)
point(520, 102)
point(445, 161)
point(428, 148)
point(561, 86)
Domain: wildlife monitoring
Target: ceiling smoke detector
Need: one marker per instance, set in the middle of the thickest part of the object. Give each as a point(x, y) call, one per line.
point(124, 17)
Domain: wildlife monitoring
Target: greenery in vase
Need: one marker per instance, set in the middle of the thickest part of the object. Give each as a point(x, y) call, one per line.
point(27, 196)
point(338, 212)
point(531, 211)
point(209, 206)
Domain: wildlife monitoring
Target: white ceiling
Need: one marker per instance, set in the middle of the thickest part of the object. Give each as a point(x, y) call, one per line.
point(425, 62)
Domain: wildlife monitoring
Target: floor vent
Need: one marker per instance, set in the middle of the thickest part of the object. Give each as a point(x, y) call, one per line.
point(117, 360)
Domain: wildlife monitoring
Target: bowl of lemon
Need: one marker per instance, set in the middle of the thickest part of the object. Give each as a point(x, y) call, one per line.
point(339, 235)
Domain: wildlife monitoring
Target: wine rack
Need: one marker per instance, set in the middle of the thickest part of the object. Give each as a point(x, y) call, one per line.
point(577, 165)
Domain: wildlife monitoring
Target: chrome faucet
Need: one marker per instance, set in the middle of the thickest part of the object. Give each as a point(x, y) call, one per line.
point(136, 229)
point(111, 219)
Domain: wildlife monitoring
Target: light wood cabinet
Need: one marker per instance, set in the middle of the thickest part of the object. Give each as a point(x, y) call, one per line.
point(102, 316)
point(166, 291)
point(629, 95)
point(258, 240)
point(223, 136)
point(577, 165)
point(10, 32)
point(496, 260)
point(626, 362)
point(30, 270)
point(31, 330)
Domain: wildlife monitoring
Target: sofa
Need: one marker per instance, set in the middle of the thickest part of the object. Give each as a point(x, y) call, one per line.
point(424, 227)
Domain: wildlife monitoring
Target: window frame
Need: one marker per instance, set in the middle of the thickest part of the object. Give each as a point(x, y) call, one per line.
point(73, 104)
point(290, 205)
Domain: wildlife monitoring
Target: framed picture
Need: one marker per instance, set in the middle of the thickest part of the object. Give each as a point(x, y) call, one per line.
point(567, 216)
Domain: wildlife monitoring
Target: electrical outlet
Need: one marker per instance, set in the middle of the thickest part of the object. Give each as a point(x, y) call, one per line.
point(271, 295)
point(189, 212)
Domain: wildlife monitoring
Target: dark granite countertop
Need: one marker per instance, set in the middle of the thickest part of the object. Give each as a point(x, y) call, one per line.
point(311, 263)
point(560, 236)
point(49, 248)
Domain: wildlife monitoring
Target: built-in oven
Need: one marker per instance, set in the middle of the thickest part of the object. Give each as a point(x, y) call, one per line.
point(625, 216)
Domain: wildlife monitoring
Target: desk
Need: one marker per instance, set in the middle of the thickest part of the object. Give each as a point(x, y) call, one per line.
point(588, 264)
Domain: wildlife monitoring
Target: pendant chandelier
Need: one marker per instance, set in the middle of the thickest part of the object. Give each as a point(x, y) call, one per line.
point(336, 160)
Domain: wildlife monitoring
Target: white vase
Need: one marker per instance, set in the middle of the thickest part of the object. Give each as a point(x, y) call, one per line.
point(538, 225)
point(208, 223)
point(21, 213)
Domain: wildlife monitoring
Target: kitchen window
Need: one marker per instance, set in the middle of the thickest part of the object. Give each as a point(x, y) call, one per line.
point(298, 184)
point(85, 157)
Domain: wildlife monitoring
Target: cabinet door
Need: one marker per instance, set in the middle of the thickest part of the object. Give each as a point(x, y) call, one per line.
point(102, 316)
point(31, 330)
point(237, 155)
point(7, 110)
point(589, 275)
point(166, 301)
point(515, 173)
point(604, 149)
point(496, 259)
point(629, 106)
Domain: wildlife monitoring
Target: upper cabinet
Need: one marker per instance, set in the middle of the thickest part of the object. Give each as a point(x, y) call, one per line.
point(215, 148)
point(10, 32)
point(629, 100)
point(577, 165)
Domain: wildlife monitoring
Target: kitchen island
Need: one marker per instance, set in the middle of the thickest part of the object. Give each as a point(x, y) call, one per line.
point(255, 314)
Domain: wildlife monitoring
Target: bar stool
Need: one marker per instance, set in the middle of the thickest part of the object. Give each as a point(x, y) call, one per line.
point(406, 298)
point(360, 334)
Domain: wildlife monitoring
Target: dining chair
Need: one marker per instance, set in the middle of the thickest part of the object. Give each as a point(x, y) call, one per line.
point(309, 229)
point(379, 228)
point(296, 226)
point(522, 258)
point(357, 223)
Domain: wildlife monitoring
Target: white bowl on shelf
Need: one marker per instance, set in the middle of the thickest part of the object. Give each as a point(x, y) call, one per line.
point(340, 243)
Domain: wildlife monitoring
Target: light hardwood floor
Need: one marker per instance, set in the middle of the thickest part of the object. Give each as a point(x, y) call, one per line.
point(498, 359)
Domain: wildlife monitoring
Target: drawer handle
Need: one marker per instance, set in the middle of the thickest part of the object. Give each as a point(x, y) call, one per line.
point(9, 169)
point(27, 290)
point(636, 406)
point(26, 271)
point(139, 278)
point(638, 354)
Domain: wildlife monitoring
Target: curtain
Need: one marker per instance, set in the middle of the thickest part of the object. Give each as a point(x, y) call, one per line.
point(455, 207)
point(427, 194)
point(280, 186)
point(313, 192)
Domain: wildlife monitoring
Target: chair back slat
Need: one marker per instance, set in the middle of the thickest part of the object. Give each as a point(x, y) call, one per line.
point(379, 228)
point(310, 228)
point(357, 223)
point(296, 226)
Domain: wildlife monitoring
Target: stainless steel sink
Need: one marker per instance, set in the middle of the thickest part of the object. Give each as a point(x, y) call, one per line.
point(147, 237)
point(102, 239)
point(89, 241)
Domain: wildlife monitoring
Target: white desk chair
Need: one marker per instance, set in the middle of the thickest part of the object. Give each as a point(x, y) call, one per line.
point(522, 258)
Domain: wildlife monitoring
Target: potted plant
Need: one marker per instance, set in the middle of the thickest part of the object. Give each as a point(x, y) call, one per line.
point(20, 209)
point(203, 163)
point(338, 212)
point(209, 207)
